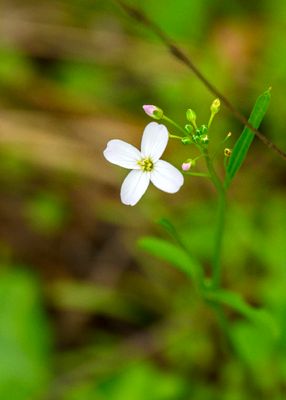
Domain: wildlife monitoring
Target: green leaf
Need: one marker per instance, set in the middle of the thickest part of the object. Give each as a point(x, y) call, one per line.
point(24, 337)
point(254, 345)
point(259, 317)
point(172, 254)
point(243, 143)
point(170, 228)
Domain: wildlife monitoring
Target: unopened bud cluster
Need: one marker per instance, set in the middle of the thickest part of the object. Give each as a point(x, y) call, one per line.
point(193, 133)
point(201, 136)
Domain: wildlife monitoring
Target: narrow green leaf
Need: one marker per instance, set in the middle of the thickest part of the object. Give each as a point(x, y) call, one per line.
point(243, 143)
point(172, 231)
point(259, 317)
point(171, 253)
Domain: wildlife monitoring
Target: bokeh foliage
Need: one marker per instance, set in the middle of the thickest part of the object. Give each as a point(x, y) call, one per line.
point(84, 313)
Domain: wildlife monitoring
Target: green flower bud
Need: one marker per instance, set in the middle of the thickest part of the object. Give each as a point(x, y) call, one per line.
point(203, 129)
point(189, 128)
point(215, 107)
point(186, 140)
point(197, 138)
point(191, 116)
point(205, 139)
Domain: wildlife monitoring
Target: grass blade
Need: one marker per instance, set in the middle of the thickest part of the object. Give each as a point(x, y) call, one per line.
point(243, 143)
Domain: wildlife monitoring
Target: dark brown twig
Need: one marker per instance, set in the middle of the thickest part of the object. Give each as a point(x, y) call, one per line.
point(139, 16)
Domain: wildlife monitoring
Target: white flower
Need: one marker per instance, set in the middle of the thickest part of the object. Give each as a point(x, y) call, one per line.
point(145, 164)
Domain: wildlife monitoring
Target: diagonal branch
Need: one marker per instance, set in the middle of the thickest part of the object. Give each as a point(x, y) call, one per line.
point(178, 53)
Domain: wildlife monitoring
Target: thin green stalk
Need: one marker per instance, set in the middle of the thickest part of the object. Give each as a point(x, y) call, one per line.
point(202, 174)
point(211, 120)
point(226, 340)
point(220, 221)
point(219, 240)
point(174, 124)
point(217, 269)
point(175, 137)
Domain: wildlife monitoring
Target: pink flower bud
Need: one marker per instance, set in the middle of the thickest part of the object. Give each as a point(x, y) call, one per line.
point(186, 166)
point(149, 109)
point(153, 111)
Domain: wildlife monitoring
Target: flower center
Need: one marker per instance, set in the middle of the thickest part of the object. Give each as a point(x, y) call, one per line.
point(146, 164)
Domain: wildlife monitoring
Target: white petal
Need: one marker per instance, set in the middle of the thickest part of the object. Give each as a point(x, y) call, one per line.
point(154, 141)
point(123, 154)
point(166, 177)
point(134, 186)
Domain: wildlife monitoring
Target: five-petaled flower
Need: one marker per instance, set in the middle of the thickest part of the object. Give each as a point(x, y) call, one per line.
point(145, 164)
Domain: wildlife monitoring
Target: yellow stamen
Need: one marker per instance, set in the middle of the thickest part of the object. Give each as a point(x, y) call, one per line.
point(146, 164)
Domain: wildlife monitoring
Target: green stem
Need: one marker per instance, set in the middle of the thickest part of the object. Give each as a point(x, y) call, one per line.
point(211, 120)
point(219, 240)
point(202, 174)
point(220, 221)
point(217, 269)
point(174, 124)
point(175, 137)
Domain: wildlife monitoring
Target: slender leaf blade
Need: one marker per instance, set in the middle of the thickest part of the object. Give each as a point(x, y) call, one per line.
point(172, 231)
point(233, 300)
point(171, 253)
point(243, 143)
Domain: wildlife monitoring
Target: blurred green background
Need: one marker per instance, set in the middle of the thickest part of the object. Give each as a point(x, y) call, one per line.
point(84, 314)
